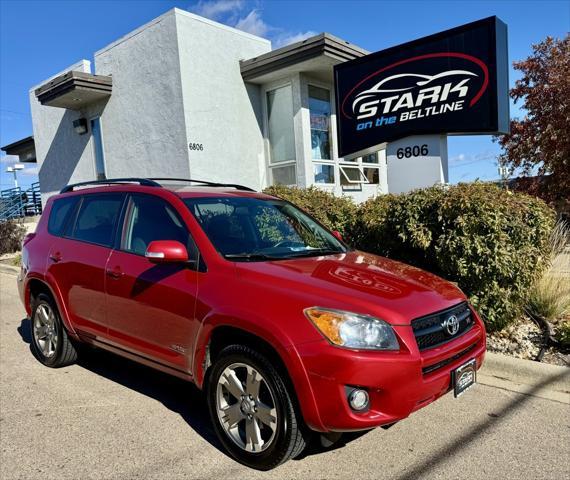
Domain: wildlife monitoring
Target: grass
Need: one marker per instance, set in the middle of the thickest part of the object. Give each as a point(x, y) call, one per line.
point(17, 260)
point(550, 295)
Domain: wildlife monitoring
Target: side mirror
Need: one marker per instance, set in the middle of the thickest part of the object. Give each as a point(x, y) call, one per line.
point(166, 251)
point(337, 234)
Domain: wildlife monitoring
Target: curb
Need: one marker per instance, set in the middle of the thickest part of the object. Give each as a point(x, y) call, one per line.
point(9, 269)
point(551, 382)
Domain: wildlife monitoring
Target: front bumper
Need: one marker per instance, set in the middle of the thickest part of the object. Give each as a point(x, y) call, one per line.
point(398, 383)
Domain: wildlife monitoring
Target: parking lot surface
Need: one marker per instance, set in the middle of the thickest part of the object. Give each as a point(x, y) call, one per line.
point(110, 418)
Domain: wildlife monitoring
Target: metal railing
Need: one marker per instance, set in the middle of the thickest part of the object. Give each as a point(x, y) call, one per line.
point(17, 203)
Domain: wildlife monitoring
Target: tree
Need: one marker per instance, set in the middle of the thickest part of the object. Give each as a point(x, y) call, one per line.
point(542, 138)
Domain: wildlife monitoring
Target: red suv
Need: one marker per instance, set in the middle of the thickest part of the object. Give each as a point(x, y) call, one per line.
point(289, 331)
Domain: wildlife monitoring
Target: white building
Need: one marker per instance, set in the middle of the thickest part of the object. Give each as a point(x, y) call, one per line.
point(183, 96)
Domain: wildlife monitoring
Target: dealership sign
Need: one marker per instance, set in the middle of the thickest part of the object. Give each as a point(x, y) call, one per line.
point(451, 82)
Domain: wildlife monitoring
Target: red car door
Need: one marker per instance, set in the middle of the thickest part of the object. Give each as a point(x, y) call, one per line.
point(78, 255)
point(151, 307)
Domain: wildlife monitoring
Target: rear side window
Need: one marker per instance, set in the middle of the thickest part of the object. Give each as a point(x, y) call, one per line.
point(61, 211)
point(97, 219)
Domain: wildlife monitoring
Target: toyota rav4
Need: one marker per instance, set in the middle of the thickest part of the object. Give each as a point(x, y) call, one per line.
point(288, 330)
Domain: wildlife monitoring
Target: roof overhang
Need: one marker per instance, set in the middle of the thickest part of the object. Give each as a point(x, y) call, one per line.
point(25, 149)
point(74, 90)
point(315, 55)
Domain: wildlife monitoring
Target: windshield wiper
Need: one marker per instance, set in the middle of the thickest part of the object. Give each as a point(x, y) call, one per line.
point(250, 256)
point(257, 256)
point(315, 251)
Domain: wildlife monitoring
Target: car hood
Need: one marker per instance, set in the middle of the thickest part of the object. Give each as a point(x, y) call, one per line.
point(359, 282)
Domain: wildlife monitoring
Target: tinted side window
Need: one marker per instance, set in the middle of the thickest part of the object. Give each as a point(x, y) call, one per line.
point(151, 218)
point(97, 218)
point(61, 211)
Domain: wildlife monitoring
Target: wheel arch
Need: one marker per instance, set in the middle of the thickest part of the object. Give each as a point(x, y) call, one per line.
point(34, 287)
point(285, 359)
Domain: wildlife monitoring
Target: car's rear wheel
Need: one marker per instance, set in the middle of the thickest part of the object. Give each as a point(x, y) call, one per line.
point(50, 342)
point(252, 410)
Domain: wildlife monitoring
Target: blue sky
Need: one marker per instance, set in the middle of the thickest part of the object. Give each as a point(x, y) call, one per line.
point(40, 38)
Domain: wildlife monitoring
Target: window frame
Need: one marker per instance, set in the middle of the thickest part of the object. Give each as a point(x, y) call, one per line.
point(357, 162)
point(327, 163)
point(270, 165)
point(334, 160)
point(267, 91)
point(359, 169)
point(330, 131)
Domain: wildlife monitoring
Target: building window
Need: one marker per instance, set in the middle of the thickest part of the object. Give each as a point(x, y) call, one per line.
point(371, 158)
point(280, 123)
point(320, 115)
point(323, 173)
point(98, 149)
point(281, 135)
point(372, 175)
point(284, 175)
point(351, 176)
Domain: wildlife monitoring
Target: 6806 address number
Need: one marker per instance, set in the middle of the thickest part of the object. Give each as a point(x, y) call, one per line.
point(415, 151)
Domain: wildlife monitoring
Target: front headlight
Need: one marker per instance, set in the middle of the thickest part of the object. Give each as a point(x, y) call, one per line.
point(352, 330)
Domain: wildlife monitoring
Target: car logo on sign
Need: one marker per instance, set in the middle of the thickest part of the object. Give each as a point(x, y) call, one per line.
point(451, 325)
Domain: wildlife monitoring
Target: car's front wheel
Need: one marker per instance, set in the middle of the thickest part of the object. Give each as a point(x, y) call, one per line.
point(252, 410)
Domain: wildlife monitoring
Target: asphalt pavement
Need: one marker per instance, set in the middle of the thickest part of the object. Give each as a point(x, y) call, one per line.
point(107, 417)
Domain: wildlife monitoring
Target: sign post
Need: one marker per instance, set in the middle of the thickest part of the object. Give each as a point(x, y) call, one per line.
point(416, 162)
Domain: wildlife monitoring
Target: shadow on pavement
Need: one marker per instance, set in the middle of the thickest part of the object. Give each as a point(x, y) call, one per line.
point(175, 394)
point(466, 440)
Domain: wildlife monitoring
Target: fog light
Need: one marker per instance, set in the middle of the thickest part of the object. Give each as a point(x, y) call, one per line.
point(358, 399)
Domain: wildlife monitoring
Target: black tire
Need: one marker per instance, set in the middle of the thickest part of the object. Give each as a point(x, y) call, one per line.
point(64, 353)
point(290, 435)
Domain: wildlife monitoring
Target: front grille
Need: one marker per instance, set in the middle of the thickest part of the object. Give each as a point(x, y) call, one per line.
point(447, 361)
point(430, 331)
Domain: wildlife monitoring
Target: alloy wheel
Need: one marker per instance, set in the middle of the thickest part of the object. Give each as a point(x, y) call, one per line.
point(246, 407)
point(45, 330)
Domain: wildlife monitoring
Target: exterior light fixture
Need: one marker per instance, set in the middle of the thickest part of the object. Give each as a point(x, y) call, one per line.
point(358, 399)
point(14, 170)
point(80, 126)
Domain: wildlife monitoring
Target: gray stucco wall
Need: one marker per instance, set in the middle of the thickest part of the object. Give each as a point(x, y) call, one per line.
point(63, 156)
point(222, 113)
point(176, 80)
point(143, 122)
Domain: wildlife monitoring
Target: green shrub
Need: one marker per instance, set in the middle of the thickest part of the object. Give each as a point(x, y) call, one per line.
point(11, 236)
point(336, 213)
point(492, 242)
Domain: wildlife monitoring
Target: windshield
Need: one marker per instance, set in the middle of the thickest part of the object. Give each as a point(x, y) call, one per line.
point(253, 229)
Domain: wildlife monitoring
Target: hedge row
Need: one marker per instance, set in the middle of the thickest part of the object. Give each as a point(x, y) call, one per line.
point(492, 242)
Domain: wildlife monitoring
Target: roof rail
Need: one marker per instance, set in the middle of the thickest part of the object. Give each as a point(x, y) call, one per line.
point(204, 182)
point(145, 182)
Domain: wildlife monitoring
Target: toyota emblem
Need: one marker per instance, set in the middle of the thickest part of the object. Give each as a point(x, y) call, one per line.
point(451, 325)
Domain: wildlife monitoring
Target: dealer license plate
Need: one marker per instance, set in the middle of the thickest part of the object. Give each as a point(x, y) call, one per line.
point(464, 377)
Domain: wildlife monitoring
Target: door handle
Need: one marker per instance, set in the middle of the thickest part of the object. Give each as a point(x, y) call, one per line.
point(114, 273)
point(55, 257)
